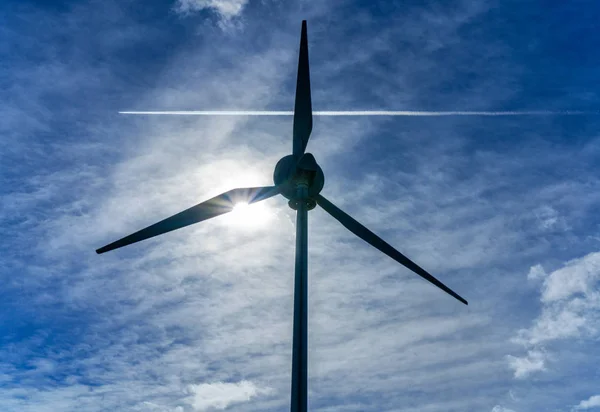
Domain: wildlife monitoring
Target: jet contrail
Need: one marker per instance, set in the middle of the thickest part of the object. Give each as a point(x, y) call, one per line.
point(361, 113)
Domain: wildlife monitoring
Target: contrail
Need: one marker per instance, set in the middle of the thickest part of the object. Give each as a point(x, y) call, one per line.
point(362, 113)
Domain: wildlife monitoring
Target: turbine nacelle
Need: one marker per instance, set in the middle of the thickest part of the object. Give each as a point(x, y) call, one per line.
point(292, 175)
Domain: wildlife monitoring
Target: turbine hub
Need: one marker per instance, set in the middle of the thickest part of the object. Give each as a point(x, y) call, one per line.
point(300, 180)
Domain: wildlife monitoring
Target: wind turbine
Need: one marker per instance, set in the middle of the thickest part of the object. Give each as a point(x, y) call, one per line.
point(300, 179)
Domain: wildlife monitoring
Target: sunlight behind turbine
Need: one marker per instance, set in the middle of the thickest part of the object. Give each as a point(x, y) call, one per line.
point(248, 216)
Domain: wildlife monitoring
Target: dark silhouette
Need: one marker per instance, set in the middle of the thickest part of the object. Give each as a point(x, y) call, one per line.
point(299, 178)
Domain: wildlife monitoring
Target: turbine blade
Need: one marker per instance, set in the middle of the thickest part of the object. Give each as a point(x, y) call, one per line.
point(216, 206)
point(365, 234)
point(303, 105)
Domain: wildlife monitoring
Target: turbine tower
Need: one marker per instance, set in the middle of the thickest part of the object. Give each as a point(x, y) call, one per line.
point(300, 179)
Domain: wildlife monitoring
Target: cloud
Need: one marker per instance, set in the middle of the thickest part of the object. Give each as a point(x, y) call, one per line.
point(592, 402)
point(499, 408)
point(220, 395)
point(570, 310)
point(225, 9)
point(536, 272)
point(576, 278)
point(549, 219)
point(153, 407)
point(141, 327)
point(524, 366)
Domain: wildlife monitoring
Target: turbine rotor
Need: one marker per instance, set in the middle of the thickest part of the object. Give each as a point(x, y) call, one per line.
point(291, 175)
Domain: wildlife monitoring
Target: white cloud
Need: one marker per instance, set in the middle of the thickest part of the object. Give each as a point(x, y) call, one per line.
point(219, 395)
point(570, 309)
point(592, 402)
point(536, 272)
point(577, 276)
point(499, 408)
point(226, 9)
point(153, 407)
point(559, 321)
point(210, 303)
point(549, 219)
point(526, 365)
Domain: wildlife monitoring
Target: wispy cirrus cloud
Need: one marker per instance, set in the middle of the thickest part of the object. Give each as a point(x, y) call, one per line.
point(499, 408)
point(226, 10)
point(201, 317)
point(220, 395)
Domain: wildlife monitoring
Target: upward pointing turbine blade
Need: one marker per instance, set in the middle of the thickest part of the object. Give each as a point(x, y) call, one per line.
point(216, 206)
point(365, 234)
point(303, 105)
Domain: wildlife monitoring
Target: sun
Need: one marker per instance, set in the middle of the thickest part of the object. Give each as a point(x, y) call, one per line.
point(248, 216)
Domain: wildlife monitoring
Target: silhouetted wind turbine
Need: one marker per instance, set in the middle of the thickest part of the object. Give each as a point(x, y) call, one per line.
point(300, 179)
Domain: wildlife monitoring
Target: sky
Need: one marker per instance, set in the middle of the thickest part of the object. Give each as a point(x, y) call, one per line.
point(501, 209)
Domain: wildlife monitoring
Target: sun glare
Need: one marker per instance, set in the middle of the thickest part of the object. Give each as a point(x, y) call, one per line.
point(249, 216)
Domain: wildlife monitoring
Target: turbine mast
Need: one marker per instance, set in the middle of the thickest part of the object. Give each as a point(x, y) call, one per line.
point(299, 397)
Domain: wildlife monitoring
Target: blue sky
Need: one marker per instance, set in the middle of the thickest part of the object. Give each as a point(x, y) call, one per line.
point(502, 209)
